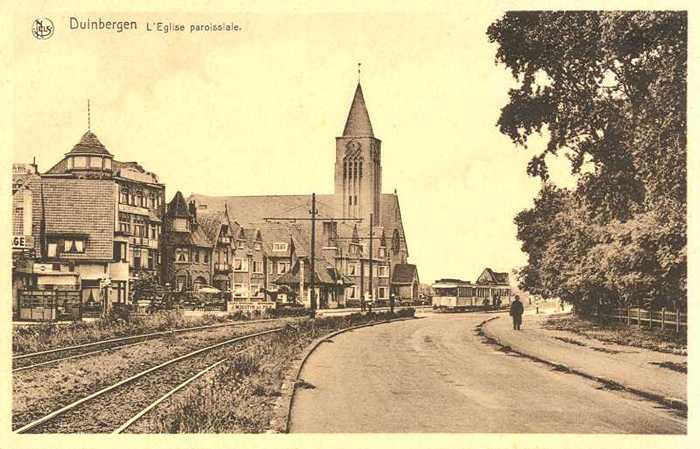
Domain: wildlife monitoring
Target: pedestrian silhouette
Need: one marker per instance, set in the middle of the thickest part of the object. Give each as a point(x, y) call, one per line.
point(516, 311)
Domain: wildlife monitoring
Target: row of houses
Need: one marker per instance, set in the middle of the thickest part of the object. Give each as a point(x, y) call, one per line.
point(93, 225)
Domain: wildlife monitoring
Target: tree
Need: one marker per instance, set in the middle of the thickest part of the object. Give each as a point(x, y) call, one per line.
point(609, 91)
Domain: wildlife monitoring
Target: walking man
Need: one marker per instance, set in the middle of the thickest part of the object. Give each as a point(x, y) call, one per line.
point(516, 311)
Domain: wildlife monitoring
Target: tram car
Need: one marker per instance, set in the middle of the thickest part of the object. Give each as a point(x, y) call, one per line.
point(455, 295)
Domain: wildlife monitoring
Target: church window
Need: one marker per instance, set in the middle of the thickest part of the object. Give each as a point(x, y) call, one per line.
point(395, 242)
point(354, 168)
point(361, 169)
point(350, 200)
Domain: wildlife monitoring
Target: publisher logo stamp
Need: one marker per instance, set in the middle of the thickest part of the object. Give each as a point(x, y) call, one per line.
point(42, 28)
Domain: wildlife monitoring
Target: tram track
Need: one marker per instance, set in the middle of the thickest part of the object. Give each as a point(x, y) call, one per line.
point(112, 406)
point(23, 362)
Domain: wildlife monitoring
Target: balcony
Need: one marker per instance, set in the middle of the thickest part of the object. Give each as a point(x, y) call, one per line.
point(222, 267)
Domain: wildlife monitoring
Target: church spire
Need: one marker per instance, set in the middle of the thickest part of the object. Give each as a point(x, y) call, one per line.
point(358, 123)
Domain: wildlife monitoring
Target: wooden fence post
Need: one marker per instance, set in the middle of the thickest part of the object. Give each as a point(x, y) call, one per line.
point(639, 316)
point(678, 320)
point(663, 317)
point(629, 315)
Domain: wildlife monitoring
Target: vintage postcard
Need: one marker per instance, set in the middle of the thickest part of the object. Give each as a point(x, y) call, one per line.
point(335, 225)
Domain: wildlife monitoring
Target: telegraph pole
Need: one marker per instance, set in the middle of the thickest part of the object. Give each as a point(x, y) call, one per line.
point(313, 254)
point(371, 234)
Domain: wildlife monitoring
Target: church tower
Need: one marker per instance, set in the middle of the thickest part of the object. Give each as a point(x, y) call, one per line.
point(358, 167)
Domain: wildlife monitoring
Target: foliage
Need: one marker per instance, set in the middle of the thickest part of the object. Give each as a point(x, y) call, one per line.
point(609, 91)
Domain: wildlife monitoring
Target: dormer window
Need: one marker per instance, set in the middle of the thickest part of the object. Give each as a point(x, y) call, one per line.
point(279, 247)
point(95, 162)
point(79, 162)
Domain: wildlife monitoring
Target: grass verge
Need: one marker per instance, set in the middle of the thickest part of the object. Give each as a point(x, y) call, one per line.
point(240, 396)
point(26, 339)
point(619, 333)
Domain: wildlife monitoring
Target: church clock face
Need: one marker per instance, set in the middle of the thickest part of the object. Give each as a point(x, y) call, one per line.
point(353, 145)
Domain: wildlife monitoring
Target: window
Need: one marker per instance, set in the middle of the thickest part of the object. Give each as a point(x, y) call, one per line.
point(182, 255)
point(95, 162)
point(74, 246)
point(381, 292)
point(282, 267)
point(154, 231)
point(240, 264)
point(196, 256)
point(256, 290)
point(240, 244)
point(139, 199)
point(108, 163)
point(52, 249)
point(279, 246)
point(352, 292)
point(151, 200)
point(124, 196)
point(383, 271)
point(139, 230)
point(120, 251)
point(239, 290)
point(181, 225)
point(151, 260)
point(257, 266)
point(137, 258)
point(119, 289)
point(79, 162)
point(374, 270)
point(352, 269)
point(396, 242)
point(206, 257)
point(382, 251)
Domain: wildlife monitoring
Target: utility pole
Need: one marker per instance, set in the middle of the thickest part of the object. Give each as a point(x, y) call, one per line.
point(314, 213)
point(371, 234)
point(313, 254)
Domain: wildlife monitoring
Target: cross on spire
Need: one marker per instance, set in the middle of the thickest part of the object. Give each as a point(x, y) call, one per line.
point(88, 114)
point(359, 72)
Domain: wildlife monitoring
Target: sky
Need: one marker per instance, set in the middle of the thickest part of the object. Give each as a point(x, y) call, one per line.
point(256, 113)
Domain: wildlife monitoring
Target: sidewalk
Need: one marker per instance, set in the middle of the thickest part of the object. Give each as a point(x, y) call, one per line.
point(631, 367)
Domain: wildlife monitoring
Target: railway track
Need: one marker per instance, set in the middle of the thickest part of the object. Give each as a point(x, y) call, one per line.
point(23, 362)
point(115, 407)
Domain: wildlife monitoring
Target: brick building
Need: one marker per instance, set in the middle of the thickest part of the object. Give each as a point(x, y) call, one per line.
point(95, 223)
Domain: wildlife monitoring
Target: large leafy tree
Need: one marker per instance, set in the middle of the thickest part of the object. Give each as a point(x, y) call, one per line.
point(608, 89)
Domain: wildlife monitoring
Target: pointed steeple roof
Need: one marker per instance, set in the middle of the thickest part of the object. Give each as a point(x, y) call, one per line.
point(358, 123)
point(90, 144)
point(178, 207)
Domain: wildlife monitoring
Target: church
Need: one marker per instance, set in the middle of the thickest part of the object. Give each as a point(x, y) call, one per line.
point(355, 218)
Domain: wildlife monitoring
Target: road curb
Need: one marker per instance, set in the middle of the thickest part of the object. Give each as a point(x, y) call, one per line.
point(280, 423)
point(672, 403)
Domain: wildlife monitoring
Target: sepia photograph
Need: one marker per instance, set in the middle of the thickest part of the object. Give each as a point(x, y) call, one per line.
point(333, 225)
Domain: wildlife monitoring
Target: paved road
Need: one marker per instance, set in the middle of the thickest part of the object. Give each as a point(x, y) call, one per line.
point(436, 375)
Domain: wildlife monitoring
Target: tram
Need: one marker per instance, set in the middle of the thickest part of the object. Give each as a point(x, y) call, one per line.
point(456, 295)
